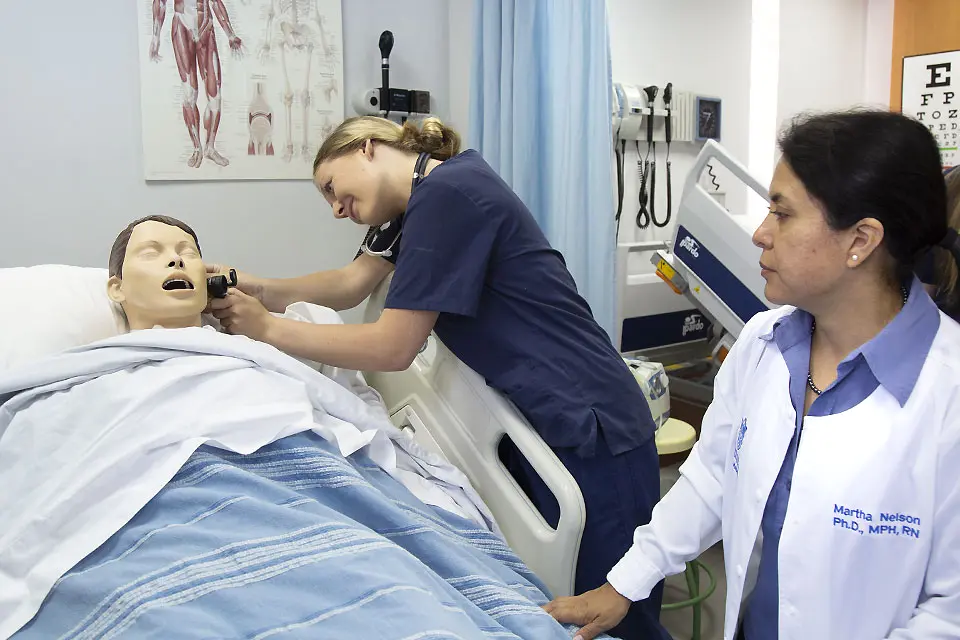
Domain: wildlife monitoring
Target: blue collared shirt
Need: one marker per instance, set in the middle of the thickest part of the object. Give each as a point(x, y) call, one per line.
point(893, 358)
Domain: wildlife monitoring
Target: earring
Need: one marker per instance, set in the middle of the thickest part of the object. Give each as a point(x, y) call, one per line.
point(855, 257)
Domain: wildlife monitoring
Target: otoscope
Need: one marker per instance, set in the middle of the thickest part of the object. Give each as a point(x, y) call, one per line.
point(386, 46)
point(217, 286)
point(668, 104)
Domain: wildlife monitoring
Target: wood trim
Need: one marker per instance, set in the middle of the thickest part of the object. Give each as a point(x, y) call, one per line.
point(921, 26)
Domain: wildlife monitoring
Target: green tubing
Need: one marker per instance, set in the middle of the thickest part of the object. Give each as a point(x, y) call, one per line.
point(693, 581)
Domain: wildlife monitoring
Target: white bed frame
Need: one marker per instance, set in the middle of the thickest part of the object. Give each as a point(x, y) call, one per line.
point(712, 259)
point(452, 411)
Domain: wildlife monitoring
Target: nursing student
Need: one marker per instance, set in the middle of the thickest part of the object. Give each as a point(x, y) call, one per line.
point(829, 459)
point(470, 263)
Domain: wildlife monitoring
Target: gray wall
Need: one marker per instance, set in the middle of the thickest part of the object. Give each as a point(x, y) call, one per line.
point(71, 173)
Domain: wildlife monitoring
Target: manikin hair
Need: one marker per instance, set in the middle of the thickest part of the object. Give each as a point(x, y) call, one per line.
point(119, 249)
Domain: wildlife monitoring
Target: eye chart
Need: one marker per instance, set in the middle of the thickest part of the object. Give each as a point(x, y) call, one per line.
point(931, 93)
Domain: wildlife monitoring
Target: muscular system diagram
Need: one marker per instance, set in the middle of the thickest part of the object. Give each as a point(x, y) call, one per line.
point(298, 29)
point(195, 48)
point(238, 89)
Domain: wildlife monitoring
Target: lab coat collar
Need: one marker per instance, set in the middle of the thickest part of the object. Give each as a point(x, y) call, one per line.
point(895, 355)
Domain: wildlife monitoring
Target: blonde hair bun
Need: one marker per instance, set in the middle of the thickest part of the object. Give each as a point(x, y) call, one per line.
point(431, 136)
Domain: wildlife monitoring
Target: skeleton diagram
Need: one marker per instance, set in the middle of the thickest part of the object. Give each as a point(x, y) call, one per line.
point(260, 123)
point(195, 47)
point(302, 29)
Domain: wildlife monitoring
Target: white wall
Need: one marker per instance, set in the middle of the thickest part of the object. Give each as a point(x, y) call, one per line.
point(878, 53)
point(72, 174)
point(822, 53)
point(461, 64)
point(701, 47)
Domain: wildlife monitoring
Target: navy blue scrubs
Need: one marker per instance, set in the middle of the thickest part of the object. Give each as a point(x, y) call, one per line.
point(509, 309)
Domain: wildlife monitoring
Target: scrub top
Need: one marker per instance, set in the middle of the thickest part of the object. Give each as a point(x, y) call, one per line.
point(509, 309)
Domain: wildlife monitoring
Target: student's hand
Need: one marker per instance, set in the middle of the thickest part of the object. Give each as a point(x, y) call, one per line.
point(250, 285)
point(241, 314)
point(594, 611)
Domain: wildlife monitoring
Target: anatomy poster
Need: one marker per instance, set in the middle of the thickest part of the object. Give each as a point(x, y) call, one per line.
point(238, 89)
point(931, 93)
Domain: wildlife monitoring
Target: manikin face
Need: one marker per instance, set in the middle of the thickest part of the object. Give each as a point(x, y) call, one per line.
point(354, 185)
point(164, 280)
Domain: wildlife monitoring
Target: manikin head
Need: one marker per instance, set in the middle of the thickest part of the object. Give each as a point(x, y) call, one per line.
point(364, 167)
point(157, 275)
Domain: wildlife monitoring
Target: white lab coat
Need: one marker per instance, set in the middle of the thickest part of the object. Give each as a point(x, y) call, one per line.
point(877, 465)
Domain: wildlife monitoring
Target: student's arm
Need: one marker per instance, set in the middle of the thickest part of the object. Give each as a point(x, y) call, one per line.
point(338, 289)
point(389, 344)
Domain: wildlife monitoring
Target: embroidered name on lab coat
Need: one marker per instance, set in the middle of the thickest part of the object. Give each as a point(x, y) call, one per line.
point(887, 524)
point(736, 452)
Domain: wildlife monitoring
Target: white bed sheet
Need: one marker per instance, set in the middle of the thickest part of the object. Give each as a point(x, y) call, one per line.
point(88, 437)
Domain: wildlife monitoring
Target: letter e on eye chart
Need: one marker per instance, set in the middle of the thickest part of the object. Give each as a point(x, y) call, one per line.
point(930, 94)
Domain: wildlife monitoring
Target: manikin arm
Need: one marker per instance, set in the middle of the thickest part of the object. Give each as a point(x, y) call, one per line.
point(159, 15)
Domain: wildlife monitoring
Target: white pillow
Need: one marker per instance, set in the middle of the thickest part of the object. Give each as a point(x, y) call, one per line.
point(49, 308)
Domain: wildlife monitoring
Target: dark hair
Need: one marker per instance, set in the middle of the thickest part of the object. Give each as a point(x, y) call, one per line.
point(119, 249)
point(945, 269)
point(873, 164)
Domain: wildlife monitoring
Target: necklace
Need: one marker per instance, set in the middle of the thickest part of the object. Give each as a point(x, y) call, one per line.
point(813, 387)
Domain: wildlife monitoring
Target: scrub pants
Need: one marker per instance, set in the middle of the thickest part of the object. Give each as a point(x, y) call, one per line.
point(620, 493)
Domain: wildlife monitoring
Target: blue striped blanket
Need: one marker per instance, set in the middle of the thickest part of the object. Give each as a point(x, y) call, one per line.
point(188, 484)
point(294, 541)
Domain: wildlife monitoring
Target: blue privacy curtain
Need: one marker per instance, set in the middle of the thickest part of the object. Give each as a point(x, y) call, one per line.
point(540, 115)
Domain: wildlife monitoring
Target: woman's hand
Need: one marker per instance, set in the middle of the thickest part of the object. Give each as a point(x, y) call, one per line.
point(595, 611)
point(241, 314)
point(250, 285)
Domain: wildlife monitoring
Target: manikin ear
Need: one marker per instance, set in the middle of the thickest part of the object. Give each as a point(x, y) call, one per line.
point(867, 236)
point(114, 291)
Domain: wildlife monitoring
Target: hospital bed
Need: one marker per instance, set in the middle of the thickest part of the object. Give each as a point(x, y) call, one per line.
point(447, 407)
point(450, 410)
point(712, 260)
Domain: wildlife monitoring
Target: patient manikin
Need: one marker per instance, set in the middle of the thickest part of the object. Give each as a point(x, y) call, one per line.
point(157, 274)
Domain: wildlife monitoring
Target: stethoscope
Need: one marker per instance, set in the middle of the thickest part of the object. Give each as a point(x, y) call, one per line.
point(418, 175)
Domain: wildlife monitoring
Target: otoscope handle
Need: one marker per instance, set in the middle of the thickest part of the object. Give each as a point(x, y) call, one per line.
point(217, 286)
point(668, 103)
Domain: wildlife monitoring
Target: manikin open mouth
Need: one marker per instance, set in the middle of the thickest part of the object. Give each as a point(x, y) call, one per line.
point(176, 284)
